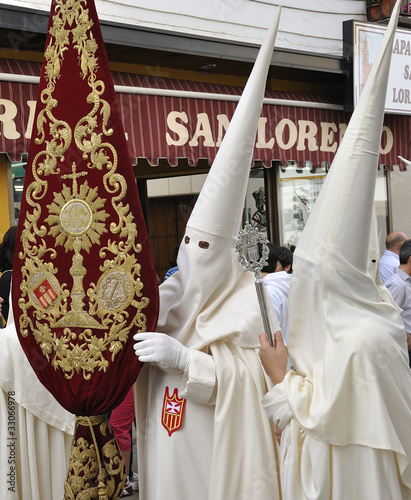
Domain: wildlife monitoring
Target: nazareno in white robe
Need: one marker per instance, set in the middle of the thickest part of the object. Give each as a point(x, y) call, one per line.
point(225, 448)
point(35, 431)
point(346, 409)
point(344, 423)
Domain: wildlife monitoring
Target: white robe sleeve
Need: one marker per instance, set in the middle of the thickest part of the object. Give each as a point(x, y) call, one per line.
point(199, 379)
point(275, 404)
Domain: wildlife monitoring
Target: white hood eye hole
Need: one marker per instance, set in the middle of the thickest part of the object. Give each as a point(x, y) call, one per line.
point(203, 244)
point(187, 240)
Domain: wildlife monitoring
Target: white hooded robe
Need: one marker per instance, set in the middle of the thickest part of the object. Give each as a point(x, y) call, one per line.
point(345, 411)
point(35, 431)
point(225, 448)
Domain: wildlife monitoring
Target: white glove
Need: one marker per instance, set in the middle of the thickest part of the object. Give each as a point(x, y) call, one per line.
point(160, 349)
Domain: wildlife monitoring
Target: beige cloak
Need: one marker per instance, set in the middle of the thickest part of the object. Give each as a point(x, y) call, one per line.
point(225, 448)
point(344, 410)
point(35, 431)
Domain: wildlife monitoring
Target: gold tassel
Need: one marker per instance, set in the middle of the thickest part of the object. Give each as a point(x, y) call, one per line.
point(102, 488)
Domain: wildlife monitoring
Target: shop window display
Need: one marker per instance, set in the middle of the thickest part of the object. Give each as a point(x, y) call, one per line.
point(298, 192)
point(18, 171)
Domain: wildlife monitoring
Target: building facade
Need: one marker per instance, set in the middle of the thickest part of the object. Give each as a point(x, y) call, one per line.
point(178, 75)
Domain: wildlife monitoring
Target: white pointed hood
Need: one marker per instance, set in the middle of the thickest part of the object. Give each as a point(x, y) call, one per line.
point(346, 343)
point(207, 276)
point(218, 210)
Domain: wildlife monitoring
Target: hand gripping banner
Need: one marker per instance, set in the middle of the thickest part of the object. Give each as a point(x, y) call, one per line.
point(84, 279)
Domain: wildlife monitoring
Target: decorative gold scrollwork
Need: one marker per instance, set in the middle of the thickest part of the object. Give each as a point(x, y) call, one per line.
point(76, 219)
point(91, 469)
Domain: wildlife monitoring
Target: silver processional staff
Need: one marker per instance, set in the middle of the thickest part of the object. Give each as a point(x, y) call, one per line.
point(247, 248)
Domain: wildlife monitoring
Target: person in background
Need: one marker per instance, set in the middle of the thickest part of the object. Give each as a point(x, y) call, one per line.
point(277, 279)
point(390, 258)
point(399, 286)
point(285, 260)
point(173, 263)
point(6, 265)
point(121, 421)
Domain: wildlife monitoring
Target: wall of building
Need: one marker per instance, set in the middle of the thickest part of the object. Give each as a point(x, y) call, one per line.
point(175, 186)
point(314, 26)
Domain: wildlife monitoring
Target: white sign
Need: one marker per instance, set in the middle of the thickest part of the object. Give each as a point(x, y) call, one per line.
point(367, 41)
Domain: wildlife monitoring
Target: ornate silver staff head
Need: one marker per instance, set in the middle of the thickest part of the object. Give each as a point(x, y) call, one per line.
point(248, 251)
point(247, 248)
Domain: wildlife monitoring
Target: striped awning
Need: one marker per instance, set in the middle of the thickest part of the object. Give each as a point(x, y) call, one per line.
point(173, 119)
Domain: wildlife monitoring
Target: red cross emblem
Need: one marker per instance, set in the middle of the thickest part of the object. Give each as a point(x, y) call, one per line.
point(173, 411)
point(45, 293)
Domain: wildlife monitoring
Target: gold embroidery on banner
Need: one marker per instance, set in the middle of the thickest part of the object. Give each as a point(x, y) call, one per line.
point(84, 467)
point(76, 219)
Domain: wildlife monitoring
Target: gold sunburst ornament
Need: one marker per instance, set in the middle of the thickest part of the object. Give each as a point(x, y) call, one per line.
point(77, 215)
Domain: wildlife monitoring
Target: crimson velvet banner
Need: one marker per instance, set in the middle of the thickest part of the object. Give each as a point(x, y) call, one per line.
point(84, 280)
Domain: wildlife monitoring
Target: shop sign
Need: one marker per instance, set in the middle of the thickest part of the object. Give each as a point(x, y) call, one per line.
point(173, 128)
point(367, 40)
